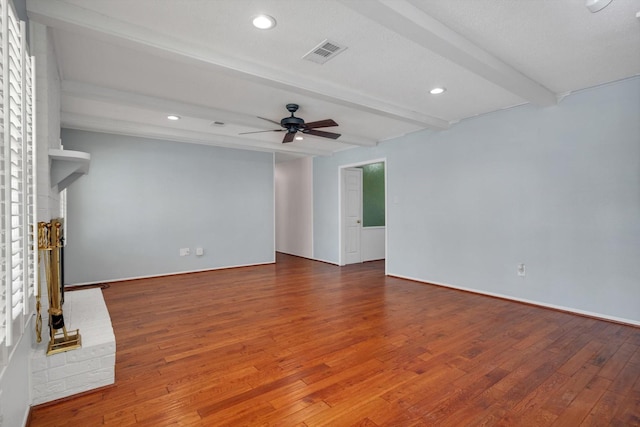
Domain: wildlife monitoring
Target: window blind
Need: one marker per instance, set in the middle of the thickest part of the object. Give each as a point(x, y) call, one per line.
point(17, 185)
point(29, 213)
point(3, 186)
point(14, 101)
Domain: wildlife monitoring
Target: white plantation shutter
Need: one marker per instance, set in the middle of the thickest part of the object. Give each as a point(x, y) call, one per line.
point(30, 230)
point(17, 176)
point(3, 184)
point(14, 126)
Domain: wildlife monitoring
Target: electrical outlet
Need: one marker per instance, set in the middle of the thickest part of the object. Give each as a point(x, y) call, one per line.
point(185, 252)
point(521, 270)
point(199, 251)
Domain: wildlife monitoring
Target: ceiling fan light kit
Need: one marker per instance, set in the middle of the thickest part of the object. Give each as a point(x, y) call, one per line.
point(293, 125)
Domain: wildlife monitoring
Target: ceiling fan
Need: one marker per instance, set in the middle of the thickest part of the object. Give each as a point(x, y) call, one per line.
point(294, 124)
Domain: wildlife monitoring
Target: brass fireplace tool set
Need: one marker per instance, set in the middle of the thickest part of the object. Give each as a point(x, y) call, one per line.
point(49, 247)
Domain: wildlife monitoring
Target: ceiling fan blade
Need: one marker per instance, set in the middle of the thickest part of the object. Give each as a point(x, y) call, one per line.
point(322, 133)
point(321, 124)
point(288, 137)
point(269, 120)
point(260, 131)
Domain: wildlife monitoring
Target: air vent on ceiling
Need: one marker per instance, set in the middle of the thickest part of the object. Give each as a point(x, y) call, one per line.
point(324, 51)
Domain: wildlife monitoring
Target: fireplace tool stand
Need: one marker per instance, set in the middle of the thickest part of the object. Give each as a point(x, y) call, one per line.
point(49, 246)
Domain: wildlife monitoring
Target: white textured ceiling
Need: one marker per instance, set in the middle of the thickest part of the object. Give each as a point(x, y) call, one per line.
point(126, 64)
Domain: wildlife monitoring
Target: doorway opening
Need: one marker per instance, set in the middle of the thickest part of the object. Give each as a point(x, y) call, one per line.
point(363, 212)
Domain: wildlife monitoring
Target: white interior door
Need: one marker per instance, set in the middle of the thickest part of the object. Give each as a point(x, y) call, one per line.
point(352, 214)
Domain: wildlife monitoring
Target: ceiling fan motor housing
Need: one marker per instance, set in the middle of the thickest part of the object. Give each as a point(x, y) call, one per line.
point(292, 124)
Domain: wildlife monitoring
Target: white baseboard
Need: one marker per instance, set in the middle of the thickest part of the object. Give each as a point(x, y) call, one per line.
point(169, 274)
point(526, 301)
point(326, 261)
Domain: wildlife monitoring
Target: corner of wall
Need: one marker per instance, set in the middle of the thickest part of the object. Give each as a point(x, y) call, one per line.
point(47, 118)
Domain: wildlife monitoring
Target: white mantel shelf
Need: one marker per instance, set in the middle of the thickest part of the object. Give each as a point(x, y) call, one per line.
point(67, 166)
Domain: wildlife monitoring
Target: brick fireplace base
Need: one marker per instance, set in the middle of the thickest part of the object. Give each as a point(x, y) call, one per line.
point(76, 371)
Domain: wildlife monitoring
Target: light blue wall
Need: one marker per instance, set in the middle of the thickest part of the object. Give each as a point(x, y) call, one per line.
point(555, 188)
point(145, 199)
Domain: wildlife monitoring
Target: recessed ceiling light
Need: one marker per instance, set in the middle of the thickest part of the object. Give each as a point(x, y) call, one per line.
point(437, 90)
point(597, 5)
point(299, 137)
point(264, 22)
point(173, 117)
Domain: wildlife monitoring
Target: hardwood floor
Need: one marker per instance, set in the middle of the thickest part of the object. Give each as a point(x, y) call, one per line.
point(303, 343)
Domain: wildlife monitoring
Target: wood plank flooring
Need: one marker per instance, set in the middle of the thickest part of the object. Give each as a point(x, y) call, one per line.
point(303, 343)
